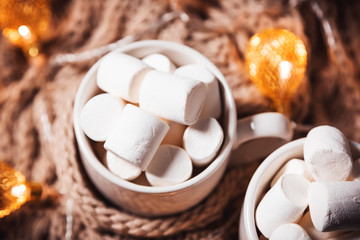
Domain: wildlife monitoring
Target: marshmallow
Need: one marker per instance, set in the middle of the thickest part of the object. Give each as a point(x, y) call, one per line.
point(99, 116)
point(169, 166)
point(296, 166)
point(284, 203)
point(173, 97)
point(327, 154)
point(159, 62)
point(335, 205)
point(120, 167)
point(212, 106)
point(137, 136)
point(289, 231)
point(306, 223)
point(175, 134)
point(121, 75)
point(203, 140)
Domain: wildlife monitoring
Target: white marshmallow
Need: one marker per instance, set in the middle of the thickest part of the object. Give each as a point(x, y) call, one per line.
point(137, 136)
point(296, 166)
point(212, 106)
point(169, 166)
point(175, 134)
point(284, 203)
point(327, 154)
point(120, 167)
point(203, 140)
point(121, 75)
point(173, 97)
point(159, 62)
point(306, 223)
point(99, 116)
point(335, 205)
point(289, 231)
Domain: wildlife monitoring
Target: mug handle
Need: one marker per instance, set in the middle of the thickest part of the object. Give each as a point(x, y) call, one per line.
point(271, 129)
point(268, 124)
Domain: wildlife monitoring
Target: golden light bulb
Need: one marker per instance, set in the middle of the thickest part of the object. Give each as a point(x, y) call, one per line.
point(24, 22)
point(276, 61)
point(24, 32)
point(15, 190)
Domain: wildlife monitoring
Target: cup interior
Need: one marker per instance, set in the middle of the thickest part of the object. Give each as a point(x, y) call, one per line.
point(260, 182)
point(180, 55)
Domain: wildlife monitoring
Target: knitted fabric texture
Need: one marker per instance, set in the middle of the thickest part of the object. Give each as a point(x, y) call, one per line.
point(37, 98)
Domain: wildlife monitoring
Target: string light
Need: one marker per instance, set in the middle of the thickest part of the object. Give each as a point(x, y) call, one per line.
point(15, 190)
point(276, 62)
point(23, 23)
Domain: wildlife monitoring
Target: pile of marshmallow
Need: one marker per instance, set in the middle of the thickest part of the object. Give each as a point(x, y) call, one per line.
point(154, 117)
point(326, 183)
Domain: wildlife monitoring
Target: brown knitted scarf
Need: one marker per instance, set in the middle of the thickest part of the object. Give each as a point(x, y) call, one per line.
point(37, 97)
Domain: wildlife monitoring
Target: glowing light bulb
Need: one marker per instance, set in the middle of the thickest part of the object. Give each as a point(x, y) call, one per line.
point(15, 190)
point(24, 31)
point(25, 22)
point(18, 191)
point(285, 68)
point(276, 62)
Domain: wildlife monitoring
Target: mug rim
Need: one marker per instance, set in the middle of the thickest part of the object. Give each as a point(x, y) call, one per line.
point(247, 221)
point(89, 155)
point(247, 216)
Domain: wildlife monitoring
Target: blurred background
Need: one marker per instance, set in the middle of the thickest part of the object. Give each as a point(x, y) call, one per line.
point(38, 84)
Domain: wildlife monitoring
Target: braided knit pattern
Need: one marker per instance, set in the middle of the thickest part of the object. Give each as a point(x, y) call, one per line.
point(36, 101)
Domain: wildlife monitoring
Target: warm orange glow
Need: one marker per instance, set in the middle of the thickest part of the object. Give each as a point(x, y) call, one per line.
point(19, 190)
point(33, 51)
point(14, 190)
point(24, 22)
point(276, 61)
point(24, 31)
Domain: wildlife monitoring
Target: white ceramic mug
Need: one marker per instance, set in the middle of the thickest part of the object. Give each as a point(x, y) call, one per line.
point(155, 201)
point(258, 135)
point(260, 181)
